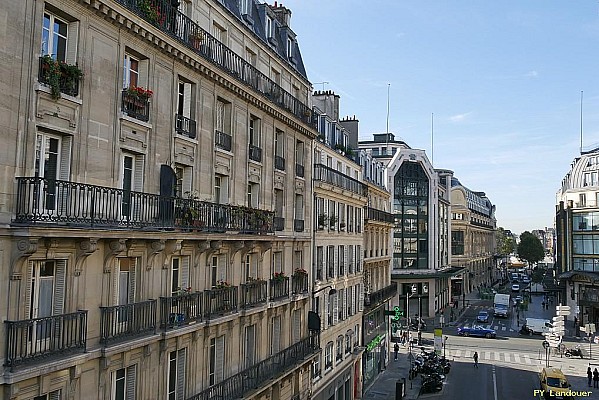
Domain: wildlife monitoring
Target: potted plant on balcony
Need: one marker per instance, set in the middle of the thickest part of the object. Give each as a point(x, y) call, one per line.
point(54, 71)
point(332, 221)
point(138, 92)
point(151, 11)
point(183, 291)
point(196, 39)
point(300, 272)
point(340, 148)
point(222, 284)
point(341, 226)
point(322, 221)
point(278, 276)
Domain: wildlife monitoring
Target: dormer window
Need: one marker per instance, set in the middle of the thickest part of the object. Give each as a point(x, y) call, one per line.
point(289, 48)
point(244, 7)
point(269, 27)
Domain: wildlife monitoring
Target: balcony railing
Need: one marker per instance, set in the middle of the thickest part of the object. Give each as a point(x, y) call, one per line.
point(379, 215)
point(180, 27)
point(66, 85)
point(220, 301)
point(299, 170)
point(185, 126)
point(43, 338)
point(279, 223)
point(279, 163)
point(257, 375)
point(181, 310)
point(124, 322)
point(255, 153)
point(329, 175)
point(380, 296)
point(298, 225)
point(299, 283)
point(279, 288)
point(74, 204)
point(222, 140)
point(135, 106)
point(253, 293)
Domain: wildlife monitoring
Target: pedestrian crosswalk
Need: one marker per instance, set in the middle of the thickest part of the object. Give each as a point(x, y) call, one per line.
point(495, 356)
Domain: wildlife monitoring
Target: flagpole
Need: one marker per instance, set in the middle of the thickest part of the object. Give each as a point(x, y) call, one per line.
point(581, 93)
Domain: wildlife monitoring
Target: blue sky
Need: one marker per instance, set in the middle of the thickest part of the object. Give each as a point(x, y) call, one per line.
point(503, 80)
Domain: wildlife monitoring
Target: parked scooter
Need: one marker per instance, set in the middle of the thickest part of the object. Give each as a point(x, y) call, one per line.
point(575, 352)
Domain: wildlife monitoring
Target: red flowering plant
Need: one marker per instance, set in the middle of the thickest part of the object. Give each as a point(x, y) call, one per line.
point(139, 92)
point(183, 291)
point(278, 276)
point(222, 284)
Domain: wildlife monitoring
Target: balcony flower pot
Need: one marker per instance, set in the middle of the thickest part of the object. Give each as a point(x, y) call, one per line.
point(196, 39)
point(54, 72)
point(322, 221)
point(279, 276)
point(300, 272)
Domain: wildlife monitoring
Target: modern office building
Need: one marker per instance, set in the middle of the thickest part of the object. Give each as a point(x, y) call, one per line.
point(382, 147)
point(340, 196)
point(577, 231)
point(473, 244)
point(155, 213)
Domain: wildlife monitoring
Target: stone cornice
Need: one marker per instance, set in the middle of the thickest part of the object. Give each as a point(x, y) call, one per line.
point(116, 14)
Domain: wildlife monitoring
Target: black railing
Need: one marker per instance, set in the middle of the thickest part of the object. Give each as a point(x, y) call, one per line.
point(279, 163)
point(379, 215)
point(74, 204)
point(119, 323)
point(253, 293)
point(255, 153)
point(299, 170)
point(279, 288)
point(42, 338)
point(279, 223)
point(181, 310)
point(334, 177)
point(66, 84)
point(135, 106)
point(220, 301)
point(380, 296)
point(299, 283)
point(174, 23)
point(298, 225)
point(222, 140)
point(185, 126)
point(255, 376)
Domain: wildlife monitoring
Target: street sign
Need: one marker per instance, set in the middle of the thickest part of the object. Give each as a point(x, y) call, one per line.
point(589, 328)
point(562, 310)
point(545, 344)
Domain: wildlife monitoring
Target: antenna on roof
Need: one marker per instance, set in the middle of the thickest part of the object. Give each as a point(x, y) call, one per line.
point(432, 142)
point(387, 133)
point(581, 92)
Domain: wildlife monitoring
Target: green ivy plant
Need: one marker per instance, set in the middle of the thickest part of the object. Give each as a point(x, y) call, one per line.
point(53, 71)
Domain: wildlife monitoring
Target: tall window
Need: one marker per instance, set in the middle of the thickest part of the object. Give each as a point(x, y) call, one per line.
point(176, 375)
point(251, 267)
point(253, 190)
point(275, 342)
point(217, 360)
point(126, 278)
point(123, 383)
point(223, 116)
point(269, 27)
point(328, 356)
point(132, 179)
point(131, 71)
point(279, 143)
point(52, 161)
point(221, 189)
point(254, 131)
point(54, 37)
point(179, 275)
point(184, 99)
point(218, 270)
point(250, 346)
point(457, 243)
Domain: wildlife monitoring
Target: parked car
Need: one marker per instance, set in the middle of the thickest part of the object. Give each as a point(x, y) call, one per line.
point(554, 383)
point(477, 331)
point(483, 316)
point(515, 287)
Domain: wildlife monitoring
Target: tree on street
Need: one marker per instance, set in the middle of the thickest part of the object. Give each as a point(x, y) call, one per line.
point(530, 248)
point(506, 244)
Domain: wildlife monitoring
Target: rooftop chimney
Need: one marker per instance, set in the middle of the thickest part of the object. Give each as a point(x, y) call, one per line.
point(282, 14)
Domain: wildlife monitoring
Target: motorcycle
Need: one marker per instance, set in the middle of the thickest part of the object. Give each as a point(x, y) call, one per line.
point(575, 352)
point(430, 384)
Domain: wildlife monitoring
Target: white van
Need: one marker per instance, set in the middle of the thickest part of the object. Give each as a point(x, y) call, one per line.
point(538, 326)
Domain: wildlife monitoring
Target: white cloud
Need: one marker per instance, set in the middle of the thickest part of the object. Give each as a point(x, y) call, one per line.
point(532, 74)
point(459, 117)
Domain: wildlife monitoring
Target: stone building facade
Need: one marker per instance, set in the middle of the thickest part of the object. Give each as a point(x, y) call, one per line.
point(155, 228)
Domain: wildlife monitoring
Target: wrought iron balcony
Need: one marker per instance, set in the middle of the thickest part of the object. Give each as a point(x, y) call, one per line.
point(125, 322)
point(329, 175)
point(181, 310)
point(135, 106)
point(236, 386)
point(279, 223)
point(299, 283)
point(253, 293)
point(219, 301)
point(66, 84)
point(222, 140)
point(185, 126)
point(180, 27)
point(298, 225)
point(255, 153)
point(379, 215)
point(299, 170)
point(279, 288)
point(279, 163)
point(380, 296)
point(46, 201)
point(31, 340)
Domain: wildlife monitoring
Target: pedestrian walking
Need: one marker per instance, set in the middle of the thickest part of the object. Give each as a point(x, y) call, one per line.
point(589, 376)
point(596, 378)
point(396, 350)
point(475, 356)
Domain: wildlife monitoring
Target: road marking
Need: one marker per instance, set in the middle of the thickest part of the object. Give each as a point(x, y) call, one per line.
point(503, 328)
point(526, 359)
point(496, 327)
point(496, 356)
point(467, 354)
point(517, 358)
point(494, 383)
point(487, 355)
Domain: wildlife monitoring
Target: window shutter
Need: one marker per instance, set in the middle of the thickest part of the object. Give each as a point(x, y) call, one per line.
point(324, 320)
point(296, 329)
point(187, 179)
point(185, 272)
point(181, 363)
point(220, 359)
point(55, 395)
point(28, 291)
point(276, 334)
point(250, 346)
point(187, 100)
point(138, 173)
point(59, 287)
point(130, 384)
point(64, 171)
point(335, 309)
point(360, 298)
point(72, 39)
point(132, 272)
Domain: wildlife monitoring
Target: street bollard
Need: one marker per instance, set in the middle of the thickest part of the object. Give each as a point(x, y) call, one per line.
point(399, 389)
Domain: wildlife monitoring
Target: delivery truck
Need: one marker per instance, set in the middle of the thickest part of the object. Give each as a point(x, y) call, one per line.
point(501, 305)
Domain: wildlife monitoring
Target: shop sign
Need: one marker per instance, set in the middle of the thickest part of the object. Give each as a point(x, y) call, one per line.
point(374, 342)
